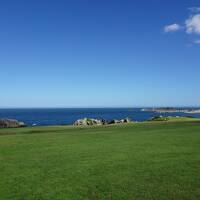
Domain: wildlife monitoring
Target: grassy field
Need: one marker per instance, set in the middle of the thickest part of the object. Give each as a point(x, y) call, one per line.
point(145, 161)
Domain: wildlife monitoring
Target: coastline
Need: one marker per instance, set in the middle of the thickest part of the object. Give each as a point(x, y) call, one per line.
point(65, 116)
point(172, 110)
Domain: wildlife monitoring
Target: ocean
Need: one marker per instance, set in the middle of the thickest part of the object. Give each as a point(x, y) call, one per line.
point(67, 116)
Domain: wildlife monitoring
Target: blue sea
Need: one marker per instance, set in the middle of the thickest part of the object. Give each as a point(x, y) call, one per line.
point(66, 116)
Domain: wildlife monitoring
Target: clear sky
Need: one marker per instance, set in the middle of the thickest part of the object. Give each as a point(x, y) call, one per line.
point(99, 53)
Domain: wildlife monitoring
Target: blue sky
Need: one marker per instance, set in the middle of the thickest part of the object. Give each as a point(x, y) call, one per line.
point(58, 53)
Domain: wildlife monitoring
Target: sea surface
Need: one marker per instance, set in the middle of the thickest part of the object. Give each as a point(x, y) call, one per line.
point(66, 116)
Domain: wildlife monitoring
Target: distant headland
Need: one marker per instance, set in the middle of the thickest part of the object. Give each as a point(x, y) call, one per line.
point(172, 110)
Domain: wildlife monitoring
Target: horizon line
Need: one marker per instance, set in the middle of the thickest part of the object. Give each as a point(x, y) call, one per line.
point(100, 107)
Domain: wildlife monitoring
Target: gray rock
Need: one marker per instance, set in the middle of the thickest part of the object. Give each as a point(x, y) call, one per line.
point(115, 121)
point(127, 120)
point(89, 122)
point(11, 123)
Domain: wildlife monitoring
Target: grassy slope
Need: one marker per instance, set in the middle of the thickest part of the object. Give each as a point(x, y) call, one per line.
point(142, 161)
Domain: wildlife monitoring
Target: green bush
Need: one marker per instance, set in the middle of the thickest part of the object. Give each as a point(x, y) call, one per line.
point(159, 118)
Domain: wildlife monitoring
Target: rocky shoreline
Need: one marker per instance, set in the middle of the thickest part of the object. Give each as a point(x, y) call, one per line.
point(12, 123)
point(91, 121)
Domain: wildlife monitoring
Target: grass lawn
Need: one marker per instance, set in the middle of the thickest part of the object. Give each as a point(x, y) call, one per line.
point(145, 161)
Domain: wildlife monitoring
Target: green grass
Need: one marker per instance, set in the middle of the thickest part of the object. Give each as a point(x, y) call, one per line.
point(145, 161)
point(183, 119)
point(173, 119)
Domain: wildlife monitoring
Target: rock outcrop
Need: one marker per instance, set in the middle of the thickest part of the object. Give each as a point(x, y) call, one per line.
point(11, 123)
point(115, 121)
point(90, 122)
